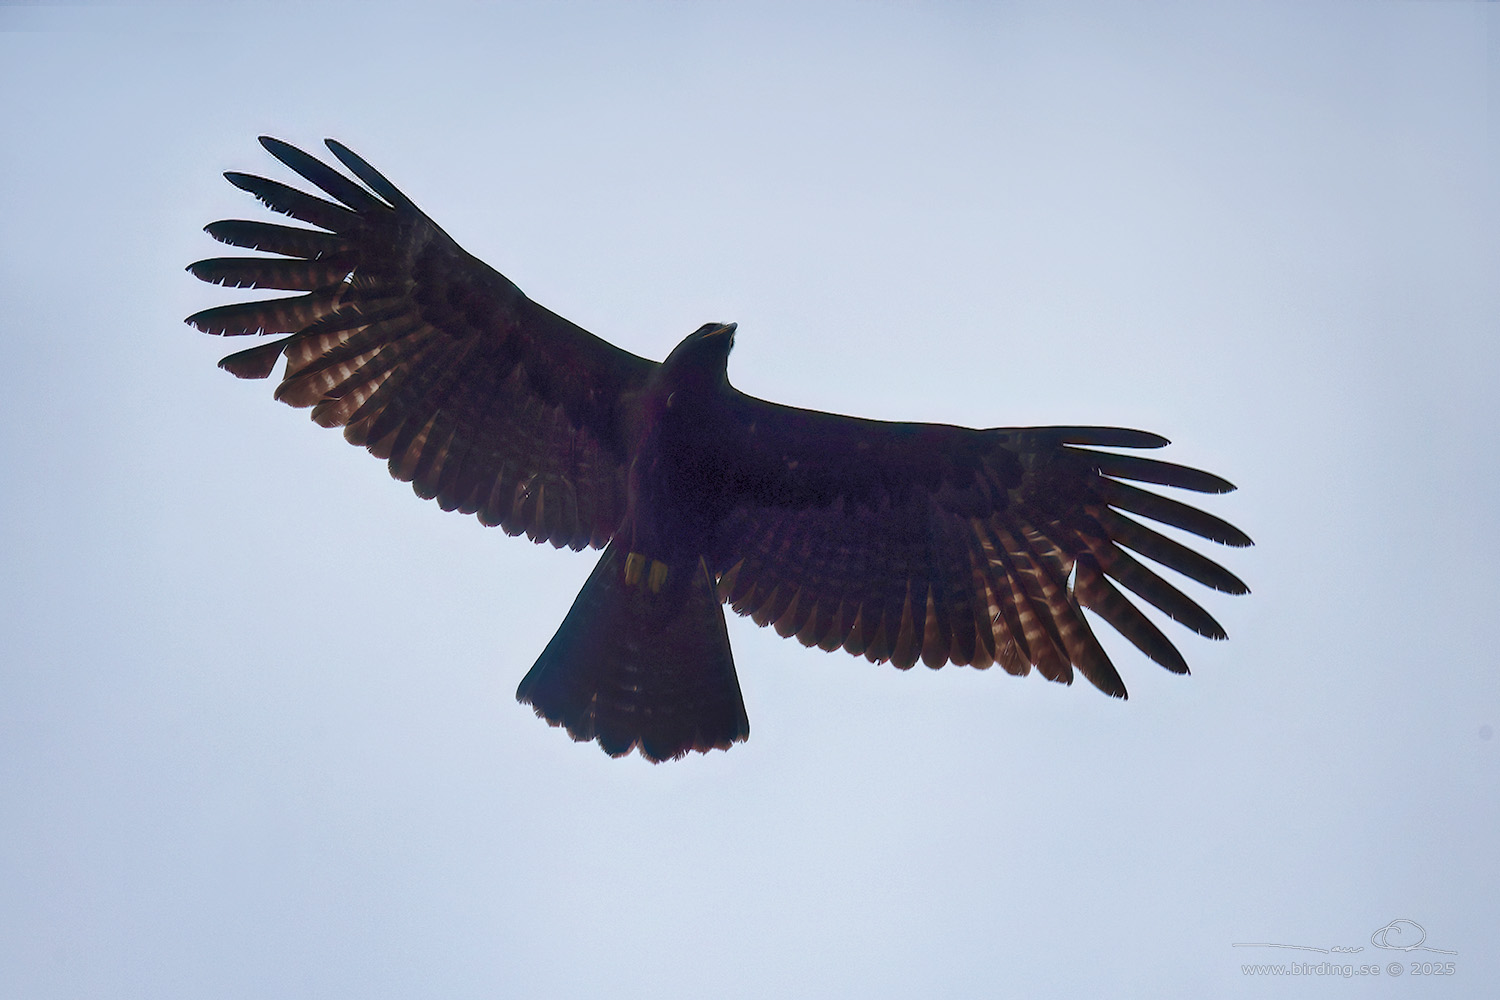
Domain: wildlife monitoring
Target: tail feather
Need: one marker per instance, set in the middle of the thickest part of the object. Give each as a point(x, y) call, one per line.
point(637, 667)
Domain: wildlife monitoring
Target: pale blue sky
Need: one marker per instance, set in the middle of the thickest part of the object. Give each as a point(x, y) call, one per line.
point(257, 728)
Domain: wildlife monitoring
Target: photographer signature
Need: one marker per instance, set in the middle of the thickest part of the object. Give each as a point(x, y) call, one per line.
point(1398, 935)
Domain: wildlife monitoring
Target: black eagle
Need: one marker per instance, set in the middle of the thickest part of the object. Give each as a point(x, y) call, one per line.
point(901, 542)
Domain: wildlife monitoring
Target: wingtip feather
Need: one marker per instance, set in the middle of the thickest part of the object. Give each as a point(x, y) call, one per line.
point(255, 363)
point(377, 181)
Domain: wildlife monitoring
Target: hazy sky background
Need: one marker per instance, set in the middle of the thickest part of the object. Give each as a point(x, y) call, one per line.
point(257, 728)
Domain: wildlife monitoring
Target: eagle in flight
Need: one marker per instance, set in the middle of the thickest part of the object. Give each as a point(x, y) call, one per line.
point(901, 542)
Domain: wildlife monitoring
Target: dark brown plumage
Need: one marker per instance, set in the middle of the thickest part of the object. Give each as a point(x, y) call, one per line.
point(896, 541)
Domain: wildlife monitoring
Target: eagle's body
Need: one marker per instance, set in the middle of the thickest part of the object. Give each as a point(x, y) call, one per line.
point(894, 541)
point(680, 481)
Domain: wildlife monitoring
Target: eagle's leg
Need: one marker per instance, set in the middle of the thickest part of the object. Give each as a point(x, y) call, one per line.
point(642, 660)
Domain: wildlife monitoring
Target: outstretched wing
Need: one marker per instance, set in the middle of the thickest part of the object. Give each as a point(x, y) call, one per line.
point(477, 396)
point(945, 544)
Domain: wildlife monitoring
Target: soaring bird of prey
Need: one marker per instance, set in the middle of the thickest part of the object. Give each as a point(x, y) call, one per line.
point(896, 541)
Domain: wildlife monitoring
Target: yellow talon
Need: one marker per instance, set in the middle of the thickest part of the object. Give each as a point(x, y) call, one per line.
point(634, 563)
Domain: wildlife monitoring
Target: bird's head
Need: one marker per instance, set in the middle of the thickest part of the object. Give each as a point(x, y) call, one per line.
point(703, 357)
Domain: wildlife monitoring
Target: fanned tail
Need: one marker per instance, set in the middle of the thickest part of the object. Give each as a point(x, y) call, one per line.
point(642, 660)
